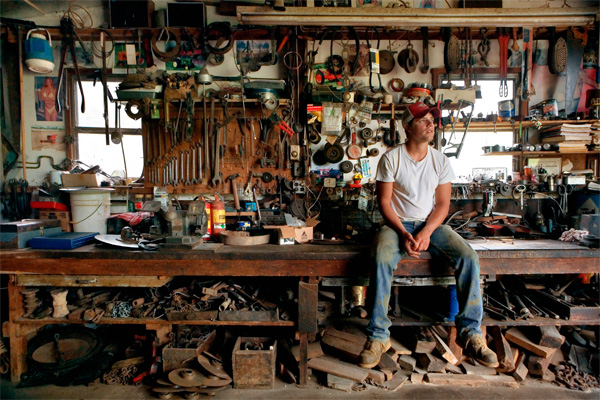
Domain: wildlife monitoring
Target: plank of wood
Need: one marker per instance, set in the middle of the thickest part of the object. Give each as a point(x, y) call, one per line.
point(388, 374)
point(339, 383)
point(454, 347)
point(314, 351)
point(375, 376)
point(517, 337)
point(471, 380)
point(478, 369)
point(336, 367)
point(431, 363)
point(308, 298)
point(453, 369)
point(359, 339)
point(393, 355)
point(548, 336)
point(443, 349)
point(505, 356)
point(407, 362)
point(386, 362)
point(521, 370)
point(399, 348)
point(345, 349)
point(423, 341)
point(537, 365)
point(417, 377)
point(396, 382)
point(557, 358)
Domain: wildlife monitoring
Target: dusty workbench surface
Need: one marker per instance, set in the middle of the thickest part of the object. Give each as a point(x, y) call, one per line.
point(497, 257)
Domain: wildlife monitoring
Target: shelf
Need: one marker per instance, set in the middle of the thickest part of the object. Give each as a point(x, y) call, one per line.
point(144, 321)
point(538, 153)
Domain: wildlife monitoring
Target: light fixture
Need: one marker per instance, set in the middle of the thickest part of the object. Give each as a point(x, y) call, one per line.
point(417, 17)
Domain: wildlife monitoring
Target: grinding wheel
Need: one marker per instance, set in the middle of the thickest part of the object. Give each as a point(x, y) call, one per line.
point(212, 366)
point(334, 153)
point(386, 62)
point(319, 158)
point(346, 166)
point(187, 377)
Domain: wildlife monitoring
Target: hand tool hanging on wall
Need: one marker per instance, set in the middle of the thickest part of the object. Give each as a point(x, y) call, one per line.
point(408, 58)
point(67, 29)
point(527, 89)
point(503, 43)
point(425, 34)
point(483, 48)
point(454, 149)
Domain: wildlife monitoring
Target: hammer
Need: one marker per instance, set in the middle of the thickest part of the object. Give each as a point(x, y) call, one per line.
point(236, 198)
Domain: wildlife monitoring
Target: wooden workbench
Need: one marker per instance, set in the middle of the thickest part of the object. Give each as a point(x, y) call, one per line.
point(93, 266)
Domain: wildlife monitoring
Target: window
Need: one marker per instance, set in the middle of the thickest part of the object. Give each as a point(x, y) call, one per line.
point(472, 163)
point(90, 143)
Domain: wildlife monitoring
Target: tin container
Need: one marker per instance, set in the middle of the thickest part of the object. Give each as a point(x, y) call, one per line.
point(548, 108)
point(506, 109)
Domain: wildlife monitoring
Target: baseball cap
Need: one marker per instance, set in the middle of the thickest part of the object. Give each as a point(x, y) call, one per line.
point(418, 110)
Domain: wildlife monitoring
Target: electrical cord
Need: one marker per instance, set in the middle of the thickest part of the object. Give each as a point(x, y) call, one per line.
point(75, 16)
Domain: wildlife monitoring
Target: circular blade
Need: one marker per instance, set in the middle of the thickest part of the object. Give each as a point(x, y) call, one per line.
point(212, 366)
point(187, 377)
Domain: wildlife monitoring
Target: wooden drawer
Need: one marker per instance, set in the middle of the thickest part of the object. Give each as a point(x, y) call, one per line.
point(91, 280)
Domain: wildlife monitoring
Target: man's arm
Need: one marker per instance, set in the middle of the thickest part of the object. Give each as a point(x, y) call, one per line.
point(437, 216)
point(384, 200)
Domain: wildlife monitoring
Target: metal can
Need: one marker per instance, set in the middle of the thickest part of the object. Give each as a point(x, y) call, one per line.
point(549, 108)
point(506, 109)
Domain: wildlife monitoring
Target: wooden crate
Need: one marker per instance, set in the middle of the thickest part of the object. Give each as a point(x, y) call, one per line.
point(254, 369)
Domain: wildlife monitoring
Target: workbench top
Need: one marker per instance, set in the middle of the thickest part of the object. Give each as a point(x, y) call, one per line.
point(310, 260)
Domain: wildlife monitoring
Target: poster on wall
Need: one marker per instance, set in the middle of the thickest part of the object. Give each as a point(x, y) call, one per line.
point(45, 99)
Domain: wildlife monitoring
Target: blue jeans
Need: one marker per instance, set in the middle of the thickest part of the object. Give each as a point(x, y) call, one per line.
point(445, 245)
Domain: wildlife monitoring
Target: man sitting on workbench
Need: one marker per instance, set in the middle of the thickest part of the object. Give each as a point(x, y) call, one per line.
point(413, 193)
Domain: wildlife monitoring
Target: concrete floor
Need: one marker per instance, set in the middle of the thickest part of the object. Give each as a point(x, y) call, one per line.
point(532, 389)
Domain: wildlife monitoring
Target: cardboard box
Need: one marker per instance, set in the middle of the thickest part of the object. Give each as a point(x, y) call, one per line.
point(80, 180)
point(291, 235)
point(63, 216)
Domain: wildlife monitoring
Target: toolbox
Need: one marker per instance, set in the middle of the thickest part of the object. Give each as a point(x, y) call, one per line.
point(63, 240)
point(16, 235)
point(253, 363)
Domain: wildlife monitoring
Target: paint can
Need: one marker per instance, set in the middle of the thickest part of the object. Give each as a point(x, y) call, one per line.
point(506, 109)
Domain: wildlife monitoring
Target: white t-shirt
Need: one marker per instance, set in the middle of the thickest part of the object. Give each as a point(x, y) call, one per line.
point(413, 196)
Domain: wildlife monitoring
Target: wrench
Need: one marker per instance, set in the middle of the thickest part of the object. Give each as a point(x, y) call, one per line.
point(181, 180)
point(187, 167)
point(194, 180)
point(217, 175)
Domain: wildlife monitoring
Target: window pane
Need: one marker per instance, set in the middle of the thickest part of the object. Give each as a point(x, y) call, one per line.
point(94, 107)
point(94, 151)
point(472, 154)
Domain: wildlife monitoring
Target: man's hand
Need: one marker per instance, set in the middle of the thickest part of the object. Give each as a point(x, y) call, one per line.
point(422, 240)
point(410, 245)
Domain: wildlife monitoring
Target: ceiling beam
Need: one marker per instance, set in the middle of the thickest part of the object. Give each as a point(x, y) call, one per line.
point(417, 17)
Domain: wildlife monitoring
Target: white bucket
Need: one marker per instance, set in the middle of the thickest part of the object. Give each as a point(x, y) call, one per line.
point(90, 209)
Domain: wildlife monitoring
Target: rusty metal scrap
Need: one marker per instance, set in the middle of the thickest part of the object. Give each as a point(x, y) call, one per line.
point(568, 376)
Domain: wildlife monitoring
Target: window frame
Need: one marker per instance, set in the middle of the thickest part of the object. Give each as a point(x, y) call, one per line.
point(72, 128)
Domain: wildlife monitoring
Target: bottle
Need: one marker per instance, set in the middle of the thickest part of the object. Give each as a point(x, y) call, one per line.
point(139, 202)
point(217, 211)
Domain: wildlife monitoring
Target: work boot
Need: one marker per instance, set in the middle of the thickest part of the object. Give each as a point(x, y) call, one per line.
point(372, 352)
point(477, 348)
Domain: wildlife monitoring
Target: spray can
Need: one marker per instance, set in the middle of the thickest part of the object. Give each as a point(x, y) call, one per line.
point(209, 219)
point(217, 211)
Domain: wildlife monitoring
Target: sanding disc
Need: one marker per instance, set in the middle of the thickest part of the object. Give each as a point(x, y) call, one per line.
point(213, 366)
point(346, 166)
point(187, 377)
point(334, 153)
point(386, 62)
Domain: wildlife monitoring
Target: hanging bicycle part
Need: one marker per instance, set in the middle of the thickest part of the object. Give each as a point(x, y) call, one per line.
point(67, 29)
point(454, 149)
point(483, 48)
